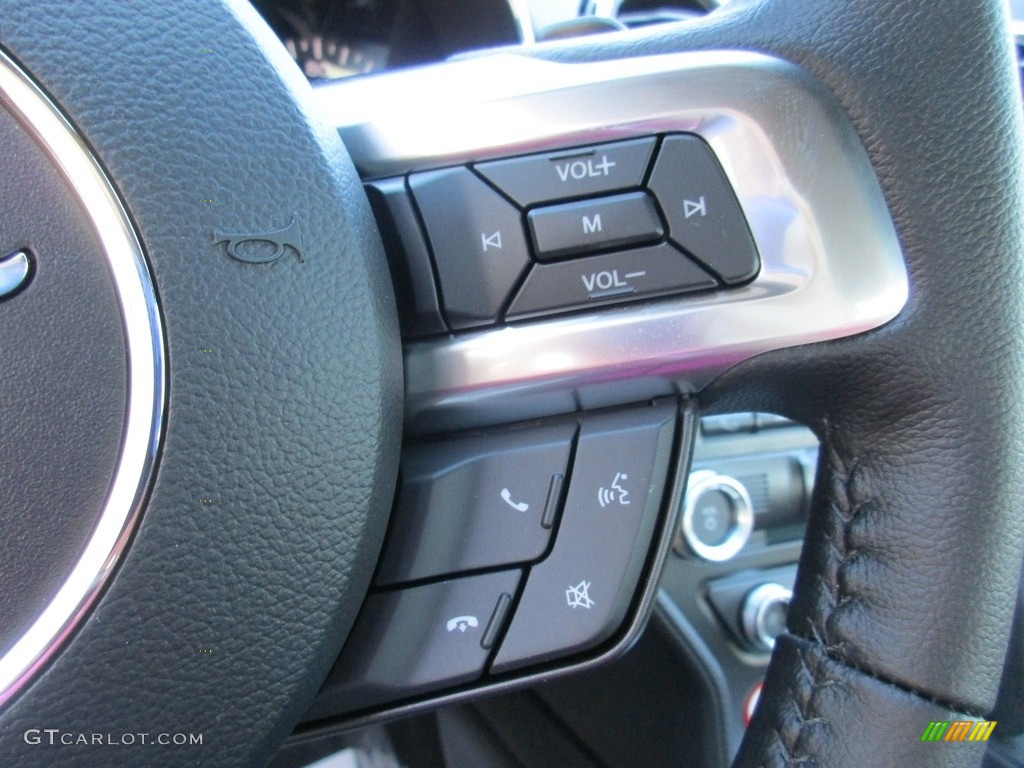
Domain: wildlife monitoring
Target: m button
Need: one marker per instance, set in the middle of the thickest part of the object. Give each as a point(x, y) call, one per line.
point(603, 224)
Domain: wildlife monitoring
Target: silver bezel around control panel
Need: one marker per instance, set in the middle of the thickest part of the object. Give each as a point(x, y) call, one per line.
point(831, 262)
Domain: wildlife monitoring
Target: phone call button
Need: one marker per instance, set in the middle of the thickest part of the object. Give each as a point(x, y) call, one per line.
point(417, 639)
point(476, 502)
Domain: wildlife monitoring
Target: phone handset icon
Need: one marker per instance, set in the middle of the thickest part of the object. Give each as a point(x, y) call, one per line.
point(462, 623)
point(506, 496)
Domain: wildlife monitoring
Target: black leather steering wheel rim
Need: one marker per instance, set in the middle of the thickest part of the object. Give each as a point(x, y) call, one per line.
point(905, 589)
point(904, 595)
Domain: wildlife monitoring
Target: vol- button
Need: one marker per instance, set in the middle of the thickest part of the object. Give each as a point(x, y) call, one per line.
point(477, 239)
point(614, 277)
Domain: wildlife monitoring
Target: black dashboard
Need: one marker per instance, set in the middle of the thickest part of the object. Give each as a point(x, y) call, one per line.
point(333, 40)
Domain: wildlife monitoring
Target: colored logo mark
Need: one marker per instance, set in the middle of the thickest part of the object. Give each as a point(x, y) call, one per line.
point(959, 730)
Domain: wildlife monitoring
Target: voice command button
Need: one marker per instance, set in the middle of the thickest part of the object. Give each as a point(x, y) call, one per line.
point(579, 595)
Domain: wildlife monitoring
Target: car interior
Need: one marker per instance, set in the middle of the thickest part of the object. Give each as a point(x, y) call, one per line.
point(512, 383)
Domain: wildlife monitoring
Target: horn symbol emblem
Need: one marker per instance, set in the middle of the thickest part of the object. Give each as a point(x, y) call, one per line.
point(286, 237)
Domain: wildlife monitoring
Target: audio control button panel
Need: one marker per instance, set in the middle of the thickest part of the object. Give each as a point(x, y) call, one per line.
point(579, 228)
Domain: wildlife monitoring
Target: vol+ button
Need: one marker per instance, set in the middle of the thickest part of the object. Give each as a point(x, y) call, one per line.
point(590, 171)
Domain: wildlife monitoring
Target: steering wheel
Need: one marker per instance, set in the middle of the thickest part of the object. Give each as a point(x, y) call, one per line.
point(208, 378)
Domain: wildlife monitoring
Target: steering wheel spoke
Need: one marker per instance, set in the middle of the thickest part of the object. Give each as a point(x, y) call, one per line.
point(831, 265)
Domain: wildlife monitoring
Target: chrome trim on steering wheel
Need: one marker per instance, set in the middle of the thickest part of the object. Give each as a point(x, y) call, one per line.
point(832, 264)
point(144, 344)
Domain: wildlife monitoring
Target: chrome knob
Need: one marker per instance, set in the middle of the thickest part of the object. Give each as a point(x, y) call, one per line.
point(763, 615)
point(718, 516)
